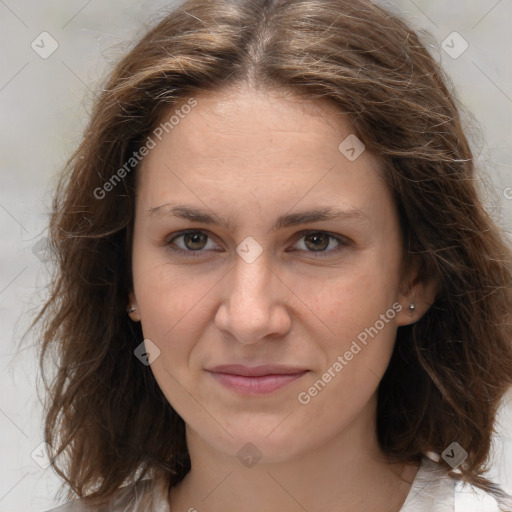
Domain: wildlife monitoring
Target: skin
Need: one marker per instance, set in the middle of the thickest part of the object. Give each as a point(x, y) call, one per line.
point(250, 156)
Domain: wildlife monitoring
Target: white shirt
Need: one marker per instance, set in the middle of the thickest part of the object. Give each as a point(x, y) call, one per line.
point(434, 491)
point(431, 491)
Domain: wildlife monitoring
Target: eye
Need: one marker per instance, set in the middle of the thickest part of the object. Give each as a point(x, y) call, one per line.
point(320, 241)
point(194, 241)
point(192, 244)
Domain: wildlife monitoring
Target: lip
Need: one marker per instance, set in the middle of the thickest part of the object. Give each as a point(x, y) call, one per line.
point(257, 379)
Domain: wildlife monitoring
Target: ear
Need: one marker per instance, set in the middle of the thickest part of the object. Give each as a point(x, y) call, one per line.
point(416, 289)
point(132, 303)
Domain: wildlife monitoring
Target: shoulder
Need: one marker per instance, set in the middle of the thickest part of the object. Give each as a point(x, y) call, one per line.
point(469, 498)
point(144, 496)
point(434, 491)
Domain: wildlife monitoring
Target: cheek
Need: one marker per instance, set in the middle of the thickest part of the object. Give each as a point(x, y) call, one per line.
point(360, 310)
point(357, 297)
point(358, 355)
point(356, 359)
point(170, 307)
point(169, 298)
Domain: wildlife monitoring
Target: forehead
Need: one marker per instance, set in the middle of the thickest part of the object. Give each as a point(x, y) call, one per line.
point(261, 119)
point(261, 145)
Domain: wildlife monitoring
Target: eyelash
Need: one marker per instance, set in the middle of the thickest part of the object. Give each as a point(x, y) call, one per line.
point(318, 254)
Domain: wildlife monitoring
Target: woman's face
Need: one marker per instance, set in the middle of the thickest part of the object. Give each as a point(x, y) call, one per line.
point(273, 323)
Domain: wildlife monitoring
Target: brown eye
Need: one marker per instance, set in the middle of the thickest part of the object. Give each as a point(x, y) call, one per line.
point(195, 241)
point(317, 241)
point(191, 243)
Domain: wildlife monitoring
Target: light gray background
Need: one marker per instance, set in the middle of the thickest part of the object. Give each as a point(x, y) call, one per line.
point(44, 105)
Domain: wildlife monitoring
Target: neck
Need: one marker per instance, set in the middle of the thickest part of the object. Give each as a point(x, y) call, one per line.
point(347, 472)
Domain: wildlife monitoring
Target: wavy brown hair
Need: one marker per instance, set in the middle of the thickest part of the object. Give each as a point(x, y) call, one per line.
point(106, 417)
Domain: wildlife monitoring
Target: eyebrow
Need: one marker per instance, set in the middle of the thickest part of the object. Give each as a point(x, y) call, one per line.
point(284, 221)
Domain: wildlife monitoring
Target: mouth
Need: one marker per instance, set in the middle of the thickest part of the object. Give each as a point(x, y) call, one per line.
point(256, 380)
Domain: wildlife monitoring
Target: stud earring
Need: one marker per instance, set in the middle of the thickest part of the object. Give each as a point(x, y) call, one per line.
point(411, 306)
point(131, 309)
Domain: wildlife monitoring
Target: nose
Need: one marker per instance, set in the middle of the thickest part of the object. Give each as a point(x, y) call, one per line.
point(254, 301)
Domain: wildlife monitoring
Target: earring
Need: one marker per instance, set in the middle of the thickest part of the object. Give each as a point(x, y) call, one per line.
point(131, 309)
point(411, 306)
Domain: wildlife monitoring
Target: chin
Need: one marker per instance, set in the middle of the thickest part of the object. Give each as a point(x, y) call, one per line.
point(258, 441)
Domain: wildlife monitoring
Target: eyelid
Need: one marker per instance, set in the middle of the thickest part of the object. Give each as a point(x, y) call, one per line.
point(169, 240)
point(342, 242)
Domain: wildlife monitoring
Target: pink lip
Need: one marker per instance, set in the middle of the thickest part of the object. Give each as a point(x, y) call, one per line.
point(255, 380)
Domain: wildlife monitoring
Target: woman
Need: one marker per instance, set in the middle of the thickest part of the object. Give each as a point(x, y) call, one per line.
point(214, 355)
